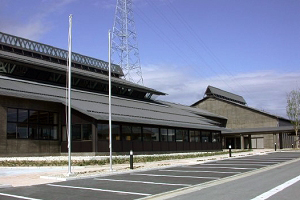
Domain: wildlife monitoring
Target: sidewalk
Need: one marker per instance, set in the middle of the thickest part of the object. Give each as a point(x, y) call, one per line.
point(26, 176)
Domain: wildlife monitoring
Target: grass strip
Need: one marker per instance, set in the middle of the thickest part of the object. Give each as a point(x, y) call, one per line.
point(116, 160)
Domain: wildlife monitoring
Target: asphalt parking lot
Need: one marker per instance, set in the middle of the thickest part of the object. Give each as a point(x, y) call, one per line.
point(140, 184)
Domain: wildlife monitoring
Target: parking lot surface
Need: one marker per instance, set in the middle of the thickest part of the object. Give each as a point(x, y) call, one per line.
point(141, 184)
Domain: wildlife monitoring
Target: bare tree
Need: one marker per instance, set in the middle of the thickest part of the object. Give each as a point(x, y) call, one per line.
point(293, 110)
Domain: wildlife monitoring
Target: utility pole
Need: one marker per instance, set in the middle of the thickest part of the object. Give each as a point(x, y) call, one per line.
point(125, 50)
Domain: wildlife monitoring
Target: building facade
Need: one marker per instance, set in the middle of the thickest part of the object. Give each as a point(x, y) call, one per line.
point(33, 108)
point(241, 117)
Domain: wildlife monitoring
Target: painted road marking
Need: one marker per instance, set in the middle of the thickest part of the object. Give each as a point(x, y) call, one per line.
point(19, 197)
point(146, 182)
point(250, 162)
point(176, 176)
point(236, 164)
point(262, 160)
point(97, 189)
point(220, 167)
point(277, 189)
point(173, 170)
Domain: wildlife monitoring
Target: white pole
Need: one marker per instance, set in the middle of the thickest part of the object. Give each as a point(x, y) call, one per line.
point(109, 100)
point(69, 95)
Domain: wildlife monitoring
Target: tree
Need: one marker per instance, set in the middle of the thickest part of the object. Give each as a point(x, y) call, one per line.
point(293, 110)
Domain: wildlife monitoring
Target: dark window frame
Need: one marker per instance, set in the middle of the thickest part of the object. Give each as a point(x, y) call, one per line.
point(21, 120)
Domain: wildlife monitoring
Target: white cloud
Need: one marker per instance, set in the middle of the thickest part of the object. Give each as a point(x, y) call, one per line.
point(36, 24)
point(263, 90)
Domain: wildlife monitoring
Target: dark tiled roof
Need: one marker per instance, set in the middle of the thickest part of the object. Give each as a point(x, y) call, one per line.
point(96, 105)
point(216, 92)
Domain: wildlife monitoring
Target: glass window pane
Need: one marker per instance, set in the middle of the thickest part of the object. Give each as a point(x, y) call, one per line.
point(185, 135)
point(126, 133)
point(22, 131)
point(171, 135)
point(136, 133)
point(33, 132)
point(33, 116)
point(179, 135)
point(115, 131)
point(43, 117)
point(76, 132)
point(164, 134)
point(12, 115)
point(44, 132)
point(205, 136)
point(53, 133)
point(192, 136)
point(150, 134)
point(11, 130)
point(22, 115)
point(53, 118)
point(102, 131)
point(216, 137)
point(87, 131)
point(197, 136)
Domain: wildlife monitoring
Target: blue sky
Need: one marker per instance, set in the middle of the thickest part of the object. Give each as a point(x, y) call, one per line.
point(251, 48)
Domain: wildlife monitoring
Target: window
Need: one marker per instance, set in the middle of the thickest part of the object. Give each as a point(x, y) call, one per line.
point(126, 133)
point(31, 124)
point(194, 136)
point(136, 133)
point(179, 135)
point(115, 131)
point(206, 136)
point(216, 137)
point(87, 131)
point(11, 130)
point(150, 134)
point(103, 131)
point(171, 135)
point(185, 135)
point(76, 132)
point(164, 134)
point(12, 115)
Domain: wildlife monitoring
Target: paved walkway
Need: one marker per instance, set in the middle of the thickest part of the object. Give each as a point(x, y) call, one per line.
point(26, 176)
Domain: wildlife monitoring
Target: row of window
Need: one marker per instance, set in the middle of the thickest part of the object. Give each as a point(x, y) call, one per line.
point(41, 125)
point(31, 124)
point(139, 133)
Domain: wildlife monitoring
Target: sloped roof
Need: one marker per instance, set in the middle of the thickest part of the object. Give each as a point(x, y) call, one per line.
point(58, 67)
point(96, 105)
point(216, 92)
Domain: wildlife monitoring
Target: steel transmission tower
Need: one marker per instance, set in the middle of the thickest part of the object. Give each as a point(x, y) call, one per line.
point(125, 50)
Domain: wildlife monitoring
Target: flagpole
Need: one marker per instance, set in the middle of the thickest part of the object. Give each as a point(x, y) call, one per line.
point(69, 95)
point(109, 99)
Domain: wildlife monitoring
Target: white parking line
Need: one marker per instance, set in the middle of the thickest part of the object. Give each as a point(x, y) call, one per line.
point(146, 182)
point(274, 160)
point(220, 167)
point(16, 196)
point(251, 162)
point(236, 164)
point(97, 189)
point(185, 171)
point(176, 176)
point(277, 189)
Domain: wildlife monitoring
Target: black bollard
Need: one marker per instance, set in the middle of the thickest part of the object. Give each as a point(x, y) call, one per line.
point(131, 159)
point(229, 150)
point(292, 146)
point(275, 146)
